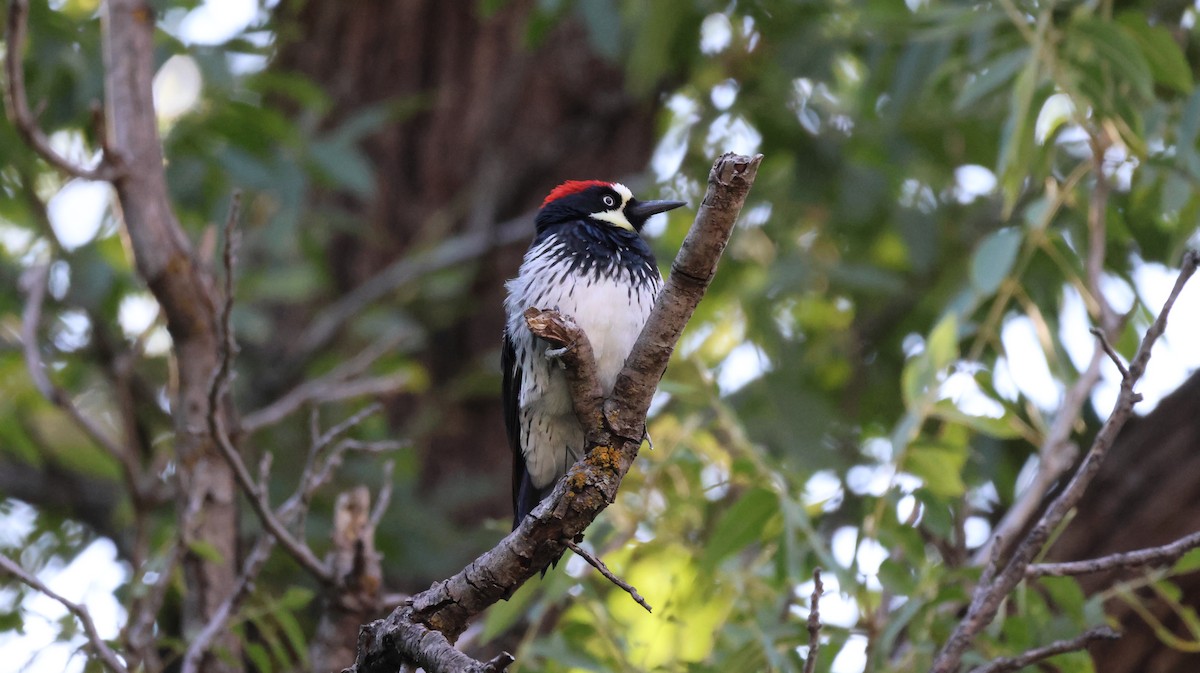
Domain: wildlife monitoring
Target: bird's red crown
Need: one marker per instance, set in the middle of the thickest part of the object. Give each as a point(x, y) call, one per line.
point(572, 187)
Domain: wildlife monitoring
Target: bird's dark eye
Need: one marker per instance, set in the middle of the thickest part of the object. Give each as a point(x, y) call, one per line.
point(609, 201)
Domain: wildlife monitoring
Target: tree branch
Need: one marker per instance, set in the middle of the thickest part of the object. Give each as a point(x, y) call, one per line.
point(18, 104)
point(577, 357)
point(255, 492)
point(988, 595)
point(103, 651)
point(34, 282)
point(1057, 452)
point(814, 623)
point(338, 383)
point(437, 616)
point(1005, 664)
point(1167, 553)
point(608, 574)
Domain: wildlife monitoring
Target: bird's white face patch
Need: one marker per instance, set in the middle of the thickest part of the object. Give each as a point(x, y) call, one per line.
point(616, 215)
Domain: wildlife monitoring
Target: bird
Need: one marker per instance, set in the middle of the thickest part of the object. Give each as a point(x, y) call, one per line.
point(589, 261)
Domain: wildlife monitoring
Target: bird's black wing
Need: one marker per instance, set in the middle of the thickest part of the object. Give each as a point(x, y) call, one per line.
point(525, 496)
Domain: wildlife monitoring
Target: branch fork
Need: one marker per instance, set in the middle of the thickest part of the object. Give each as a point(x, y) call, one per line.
point(995, 586)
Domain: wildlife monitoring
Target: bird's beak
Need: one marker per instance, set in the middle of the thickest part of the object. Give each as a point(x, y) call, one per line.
point(641, 210)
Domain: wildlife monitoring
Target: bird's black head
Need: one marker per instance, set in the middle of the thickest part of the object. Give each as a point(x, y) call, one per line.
point(603, 203)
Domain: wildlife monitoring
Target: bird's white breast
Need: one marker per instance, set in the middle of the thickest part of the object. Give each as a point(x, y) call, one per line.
point(610, 307)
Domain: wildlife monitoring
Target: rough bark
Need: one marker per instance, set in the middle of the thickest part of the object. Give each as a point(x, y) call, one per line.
point(1146, 494)
point(164, 259)
point(355, 599)
point(499, 123)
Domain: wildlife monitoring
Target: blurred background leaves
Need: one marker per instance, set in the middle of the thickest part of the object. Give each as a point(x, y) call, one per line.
point(863, 389)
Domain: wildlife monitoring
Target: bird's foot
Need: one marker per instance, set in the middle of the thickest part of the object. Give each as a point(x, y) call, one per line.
point(646, 438)
point(555, 354)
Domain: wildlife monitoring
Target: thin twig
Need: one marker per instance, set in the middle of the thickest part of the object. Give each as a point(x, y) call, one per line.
point(599, 565)
point(256, 493)
point(384, 498)
point(251, 566)
point(988, 596)
point(1006, 664)
point(336, 384)
point(34, 281)
point(814, 623)
point(103, 651)
point(140, 632)
point(257, 496)
point(1057, 452)
point(1167, 553)
point(18, 104)
point(1110, 351)
point(447, 254)
point(1097, 216)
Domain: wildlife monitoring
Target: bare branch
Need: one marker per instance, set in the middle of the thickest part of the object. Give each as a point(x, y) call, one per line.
point(255, 492)
point(1097, 232)
point(335, 385)
point(429, 648)
point(103, 651)
point(384, 498)
point(447, 254)
point(1167, 553)
point(1110, 352)
point(1057, 452)
point(251, 566)
point(608, 574)
point(586, 394)
point(438, 615)
point(1005, 664)
point(1137, 367)
point(34, 282)
point(139, 634)
point(18, 104)
point(814, 623)
point(988, 596)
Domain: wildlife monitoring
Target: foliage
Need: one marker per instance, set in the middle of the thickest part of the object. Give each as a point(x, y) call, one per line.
point(845, 397)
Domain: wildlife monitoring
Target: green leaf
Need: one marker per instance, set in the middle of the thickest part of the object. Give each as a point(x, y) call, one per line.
point(294, 634)
point(1095, 39)
point(942, 345)
point(259, 657)
point(994, 259)
point(991, 77)
point(1016, 140)
point(204, 550)
point(295, 598)
point(1066, 595)
point(1165, 58)
point(1187, 563)
point(741, 525)
point(918, 376)
point(897, 577)
point(939, 466)
point(1004, 427)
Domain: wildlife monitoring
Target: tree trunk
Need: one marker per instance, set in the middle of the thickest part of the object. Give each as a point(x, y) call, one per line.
point(1146, 494)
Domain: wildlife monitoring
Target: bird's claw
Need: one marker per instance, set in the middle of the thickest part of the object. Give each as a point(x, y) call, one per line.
point(646, 438)
point(555, 354)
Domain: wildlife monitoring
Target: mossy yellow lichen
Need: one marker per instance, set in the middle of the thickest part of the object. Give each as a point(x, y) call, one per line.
point(578, 479)
point(605, 457)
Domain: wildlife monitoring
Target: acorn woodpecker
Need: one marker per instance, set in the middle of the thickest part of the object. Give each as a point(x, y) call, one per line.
point(587, 260)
